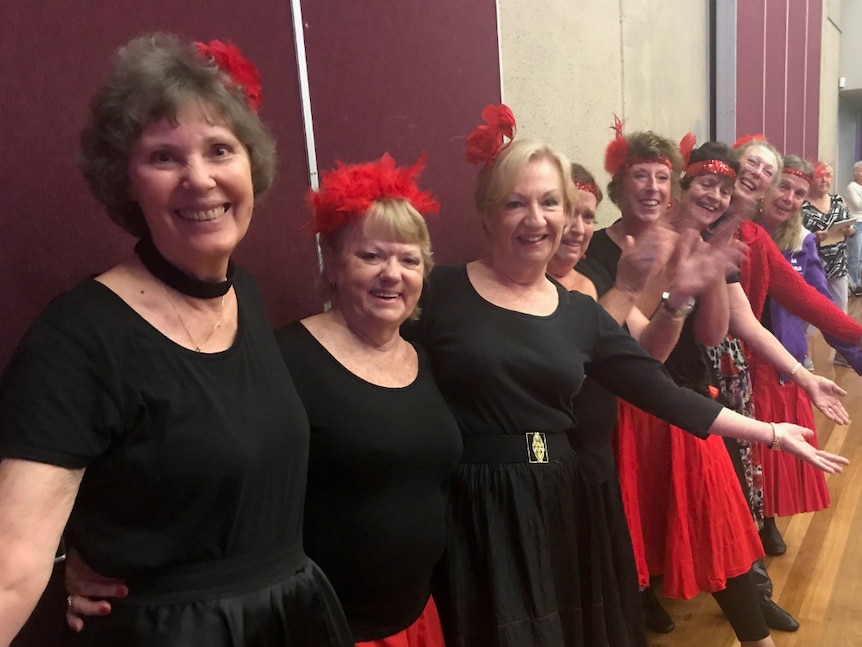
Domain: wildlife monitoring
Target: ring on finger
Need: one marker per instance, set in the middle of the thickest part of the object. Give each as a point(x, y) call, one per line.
point(68, 601)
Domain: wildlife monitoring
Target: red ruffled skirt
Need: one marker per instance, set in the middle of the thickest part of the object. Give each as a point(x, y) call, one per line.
point(424, 632)
point(688, 517)
point(790, 485)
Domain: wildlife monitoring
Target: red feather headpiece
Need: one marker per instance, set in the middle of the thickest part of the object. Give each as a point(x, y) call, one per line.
point(686, 145)
point(241, 71)
point(617, 157)
point(820, 169)
point(758, 137)
point(488, 140)
point(617, 151)
point(349, 190)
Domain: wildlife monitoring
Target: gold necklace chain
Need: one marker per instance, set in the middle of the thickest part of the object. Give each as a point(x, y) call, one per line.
point(198, 347)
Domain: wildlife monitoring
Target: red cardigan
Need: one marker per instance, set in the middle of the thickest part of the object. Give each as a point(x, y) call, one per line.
point(765, 272)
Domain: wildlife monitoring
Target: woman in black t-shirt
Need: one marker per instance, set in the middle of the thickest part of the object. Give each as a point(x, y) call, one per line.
point(147, 411)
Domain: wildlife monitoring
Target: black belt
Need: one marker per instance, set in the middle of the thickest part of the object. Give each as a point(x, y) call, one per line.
point(529, 447)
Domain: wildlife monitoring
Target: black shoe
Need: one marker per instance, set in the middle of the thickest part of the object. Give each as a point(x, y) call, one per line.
point(657, 619)
point(776, 617)
point(771, 539)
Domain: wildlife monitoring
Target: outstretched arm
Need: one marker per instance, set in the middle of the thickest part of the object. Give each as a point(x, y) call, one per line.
point(790, 290)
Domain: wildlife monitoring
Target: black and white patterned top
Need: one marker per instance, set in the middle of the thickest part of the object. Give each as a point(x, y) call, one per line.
point(834, 256)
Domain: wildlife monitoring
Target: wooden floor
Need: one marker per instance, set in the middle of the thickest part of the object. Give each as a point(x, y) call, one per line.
point(819, 579)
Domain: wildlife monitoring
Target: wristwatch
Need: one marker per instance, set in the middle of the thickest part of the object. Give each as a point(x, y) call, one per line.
point(679, 312)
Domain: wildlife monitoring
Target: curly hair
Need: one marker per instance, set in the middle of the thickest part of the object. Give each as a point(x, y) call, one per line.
point(152, 78)
point(648, 144)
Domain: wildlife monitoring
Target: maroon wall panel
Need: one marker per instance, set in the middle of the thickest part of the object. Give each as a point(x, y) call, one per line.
point(53, 233)
point(774, 53)
point(778, 72)
point(406, 77)
point(750, 31)
point(811, 127)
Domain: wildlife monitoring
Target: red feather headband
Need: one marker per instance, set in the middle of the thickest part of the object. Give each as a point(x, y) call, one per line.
point(241, 71)
point(617, 158)
point(742, 141)
point(488, 140)
point(349, 190)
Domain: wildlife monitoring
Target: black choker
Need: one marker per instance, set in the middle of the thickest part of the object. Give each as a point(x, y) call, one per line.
point(174, 277)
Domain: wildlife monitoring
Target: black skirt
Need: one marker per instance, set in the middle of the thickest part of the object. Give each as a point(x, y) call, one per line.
point(279, 599)
point(538, 555)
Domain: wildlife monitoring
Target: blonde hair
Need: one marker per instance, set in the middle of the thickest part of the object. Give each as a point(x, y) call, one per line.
point(393, 219)
point(496, 182)
point(751, 143)
point(789, 235)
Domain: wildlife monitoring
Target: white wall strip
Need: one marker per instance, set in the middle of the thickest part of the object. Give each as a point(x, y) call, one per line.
point(725, 71)
point(305, 100)
point(500, 51)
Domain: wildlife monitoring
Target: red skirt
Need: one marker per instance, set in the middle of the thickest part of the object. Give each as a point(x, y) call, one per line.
point(684, 506)
point(790, 485)
point(424, 632)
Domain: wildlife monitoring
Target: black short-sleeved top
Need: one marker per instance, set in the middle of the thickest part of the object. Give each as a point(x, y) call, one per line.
point(505, 372)
point(375, 505)
point(189, 456)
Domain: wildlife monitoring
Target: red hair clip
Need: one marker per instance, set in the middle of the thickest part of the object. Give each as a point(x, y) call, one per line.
point(241, 71)
point(820, 169)
point(487, 141)
point(349, 190)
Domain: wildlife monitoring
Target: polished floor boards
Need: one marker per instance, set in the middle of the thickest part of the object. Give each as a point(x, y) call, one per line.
point(819, 579)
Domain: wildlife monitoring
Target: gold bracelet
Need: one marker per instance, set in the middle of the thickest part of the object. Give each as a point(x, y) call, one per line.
point(795, 368)
point(777, 437)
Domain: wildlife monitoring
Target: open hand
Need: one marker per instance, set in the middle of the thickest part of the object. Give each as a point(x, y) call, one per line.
point(794, 441)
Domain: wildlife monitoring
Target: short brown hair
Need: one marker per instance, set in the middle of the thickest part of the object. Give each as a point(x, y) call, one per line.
point(151, 78)
point(647, 144)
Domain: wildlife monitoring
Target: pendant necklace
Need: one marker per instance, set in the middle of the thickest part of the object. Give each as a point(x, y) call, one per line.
point(198, 347)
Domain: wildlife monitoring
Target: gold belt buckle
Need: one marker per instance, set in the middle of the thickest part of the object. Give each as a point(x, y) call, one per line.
point(537, 447)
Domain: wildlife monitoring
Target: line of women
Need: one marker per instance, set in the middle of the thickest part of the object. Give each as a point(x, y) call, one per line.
point(151, 412)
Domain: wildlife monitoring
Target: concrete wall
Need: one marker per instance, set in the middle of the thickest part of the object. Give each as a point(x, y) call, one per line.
point(851, 43)
point(569, 67)
point(830, 52)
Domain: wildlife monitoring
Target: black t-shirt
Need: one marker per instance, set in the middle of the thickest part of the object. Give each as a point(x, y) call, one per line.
point(375, 507)
point(504, 372)
point(189, 456)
